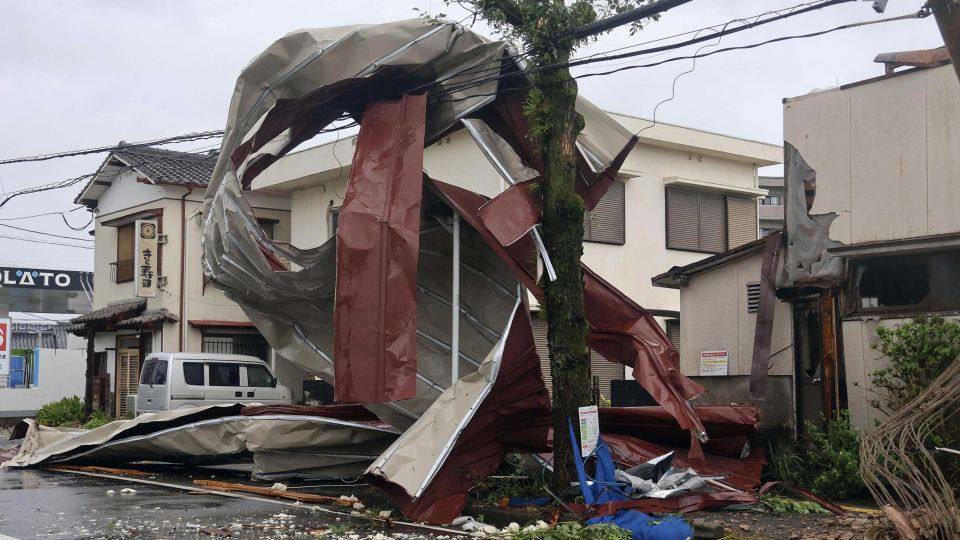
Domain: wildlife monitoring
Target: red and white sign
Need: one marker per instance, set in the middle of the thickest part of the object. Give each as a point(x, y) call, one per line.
point(4, 346)
point(714, 363)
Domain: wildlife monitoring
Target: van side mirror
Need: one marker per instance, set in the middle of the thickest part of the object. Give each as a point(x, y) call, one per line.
point(273, 381)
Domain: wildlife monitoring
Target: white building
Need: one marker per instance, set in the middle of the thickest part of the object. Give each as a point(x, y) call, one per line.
point(186, 314)
point(884, 152)
point(684, 194)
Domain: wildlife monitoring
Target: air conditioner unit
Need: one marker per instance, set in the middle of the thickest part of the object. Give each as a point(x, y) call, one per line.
point(162, 239)
point(161, 282)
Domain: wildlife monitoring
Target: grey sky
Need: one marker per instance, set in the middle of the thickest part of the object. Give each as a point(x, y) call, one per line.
point(77, 74)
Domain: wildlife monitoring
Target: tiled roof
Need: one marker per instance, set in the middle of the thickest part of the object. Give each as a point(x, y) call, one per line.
point(111, 311)
point(148, 317)
point(169, 166)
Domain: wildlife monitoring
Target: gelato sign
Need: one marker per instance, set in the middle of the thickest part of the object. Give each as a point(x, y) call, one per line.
point(34, 278)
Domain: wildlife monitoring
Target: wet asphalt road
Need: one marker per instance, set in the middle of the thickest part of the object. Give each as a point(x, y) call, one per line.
point(44, 504)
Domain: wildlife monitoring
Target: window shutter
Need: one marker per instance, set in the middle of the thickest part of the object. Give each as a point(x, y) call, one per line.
point(605, 223)
point(682, 219)
point(713, 223)
point(540, 338)
point(753, 297)
point(600, 367)
point(673, 332)
point(125, 242)
point(741, 220)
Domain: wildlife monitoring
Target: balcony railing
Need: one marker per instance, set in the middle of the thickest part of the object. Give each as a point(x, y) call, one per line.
point(121, 271)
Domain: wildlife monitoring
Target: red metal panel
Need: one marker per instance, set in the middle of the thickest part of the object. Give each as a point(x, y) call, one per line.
point(620, 329)
point(377, 244)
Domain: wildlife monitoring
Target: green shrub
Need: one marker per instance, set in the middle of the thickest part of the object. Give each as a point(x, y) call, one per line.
point(832, 458)
point(97, 419)
point(825, 459)
point(919, 351)
point(571, 530)
point(63, 412)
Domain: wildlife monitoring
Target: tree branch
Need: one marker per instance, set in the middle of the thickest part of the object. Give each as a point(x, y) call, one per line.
point(511, 11)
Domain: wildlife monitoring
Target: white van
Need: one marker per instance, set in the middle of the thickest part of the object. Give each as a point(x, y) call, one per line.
point(170, 381)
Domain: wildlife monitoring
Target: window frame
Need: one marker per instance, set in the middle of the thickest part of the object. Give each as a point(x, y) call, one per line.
point(209, 377)
point(852, 292)
point(666, 228)
point(621, 215)
point(203, 373)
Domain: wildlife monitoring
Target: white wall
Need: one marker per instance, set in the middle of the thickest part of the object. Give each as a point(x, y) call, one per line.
point(61, 374)
point(861, 359)
point(885, 153)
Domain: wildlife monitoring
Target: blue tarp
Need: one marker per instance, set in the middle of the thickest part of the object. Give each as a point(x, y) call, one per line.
point(604, 488)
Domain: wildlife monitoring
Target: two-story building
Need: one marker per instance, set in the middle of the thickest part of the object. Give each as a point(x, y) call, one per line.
point(876, 168)
point(182, 312)
point(682, 195)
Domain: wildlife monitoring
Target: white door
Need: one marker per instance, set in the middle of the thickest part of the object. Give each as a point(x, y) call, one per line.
point(223, 383)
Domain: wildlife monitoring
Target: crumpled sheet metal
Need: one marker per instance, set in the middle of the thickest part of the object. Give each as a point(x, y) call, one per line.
point(502, 407)
point(620, 330)
point(278, 443)
point(301, 84)
point(378, 236)
point(806, 260)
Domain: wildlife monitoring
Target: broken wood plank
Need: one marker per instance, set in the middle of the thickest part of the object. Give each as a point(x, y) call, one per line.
point(99, 469)
point(302, 497)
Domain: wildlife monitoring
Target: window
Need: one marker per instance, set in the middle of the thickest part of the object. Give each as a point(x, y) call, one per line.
point(709, 222)
point(696, 221)
point(772, 200)
point(741, 220)
point(146, 374)
point(122, 269)
point(753, 297)
point(333, 215)
point(268, 226)
point(193, 373)
point(224, 374)
point(160, 372)
point(260, 377)
point(248, 342)
point(605, 223)
point(673, 332)
point(904, 283)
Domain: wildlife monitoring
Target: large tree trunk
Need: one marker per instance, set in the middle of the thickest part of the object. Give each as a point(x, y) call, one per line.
point(558, 124)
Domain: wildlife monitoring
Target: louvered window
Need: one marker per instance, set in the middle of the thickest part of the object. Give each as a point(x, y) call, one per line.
point(708, 221)
point(673, 332)
point(741, 220)
point(605, 223)
point(600, 367)
point(753, 297)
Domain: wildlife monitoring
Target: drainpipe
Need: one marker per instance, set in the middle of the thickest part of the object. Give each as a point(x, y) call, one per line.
point(183, 254)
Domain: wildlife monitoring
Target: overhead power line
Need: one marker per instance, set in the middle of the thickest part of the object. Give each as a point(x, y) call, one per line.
point(919, 14)
point(44, 214)
point(196, 136)
point(50, 242)
point(595, 59)
point(46, 233)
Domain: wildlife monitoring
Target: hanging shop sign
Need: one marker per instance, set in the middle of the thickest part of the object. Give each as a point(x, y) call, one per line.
point(146, 270)
point(589, 429)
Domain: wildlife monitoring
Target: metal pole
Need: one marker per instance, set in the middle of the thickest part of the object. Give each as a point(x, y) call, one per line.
point(455, 304)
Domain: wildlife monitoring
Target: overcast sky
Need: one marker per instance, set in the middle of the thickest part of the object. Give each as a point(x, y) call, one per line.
point(78, 74)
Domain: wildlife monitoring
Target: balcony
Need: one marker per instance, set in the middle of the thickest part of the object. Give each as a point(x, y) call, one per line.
point(121, 271)
point(770, 212)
